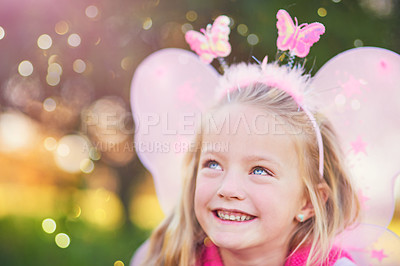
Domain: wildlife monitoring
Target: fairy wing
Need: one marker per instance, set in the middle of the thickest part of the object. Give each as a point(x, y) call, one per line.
point(286, 30)
point(308, 35)
point(219, 36)
point(359, 91)
point(169, 90)
point(200, 44)
point(371, 245)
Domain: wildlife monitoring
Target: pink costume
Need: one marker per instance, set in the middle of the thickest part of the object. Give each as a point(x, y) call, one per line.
point(210, 257)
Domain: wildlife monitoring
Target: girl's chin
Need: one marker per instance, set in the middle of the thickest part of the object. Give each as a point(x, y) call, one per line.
point(231, 242)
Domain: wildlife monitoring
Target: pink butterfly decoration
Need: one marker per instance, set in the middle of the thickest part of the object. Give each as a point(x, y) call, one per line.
point(212, 42)
point(297, 39)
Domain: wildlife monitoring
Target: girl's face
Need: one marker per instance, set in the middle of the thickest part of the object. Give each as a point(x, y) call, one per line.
point(248, 189)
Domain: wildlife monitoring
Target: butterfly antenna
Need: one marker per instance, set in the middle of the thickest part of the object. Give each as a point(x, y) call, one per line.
point(313, 65)
point(304, 64)
point(255, 59)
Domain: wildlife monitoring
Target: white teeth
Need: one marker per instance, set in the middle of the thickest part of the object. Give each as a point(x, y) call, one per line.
point(232, 217)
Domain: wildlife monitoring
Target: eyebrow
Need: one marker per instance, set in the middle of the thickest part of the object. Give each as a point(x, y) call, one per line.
point(262, 158)
point(247, 158)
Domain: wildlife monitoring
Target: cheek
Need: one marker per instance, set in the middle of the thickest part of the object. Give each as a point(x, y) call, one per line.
point(275, 202)
point(201, 195)
point(206, 189)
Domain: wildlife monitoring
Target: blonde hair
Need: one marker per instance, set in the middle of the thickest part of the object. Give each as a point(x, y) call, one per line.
point(179, 239)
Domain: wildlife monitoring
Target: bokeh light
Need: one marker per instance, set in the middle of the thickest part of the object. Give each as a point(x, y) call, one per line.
point(25, 68)
point(87, 166)
point(71, 150)
point(17, 132)
point(252, 39)
point(358, 43)
point(77, 211)
point(55, 68)
point(127, 63)
point(147, 23)
point(49, 225)
point(2, 33)
point(62, 27)
point(94, 154)
point(53, 79)
point(62, 240)
point(49, 104)
point(186, 27)
point(322, 12)
point(118, 263)
point(191, 16)
point(74, 40)
point(92, 11)
point(242, 29)
point(52, 59)
point(44, 41)
point(79, 66)
point(50, 143)
point(54, 72)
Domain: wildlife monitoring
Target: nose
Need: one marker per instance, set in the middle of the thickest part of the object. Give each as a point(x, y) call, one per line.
point(231, 187)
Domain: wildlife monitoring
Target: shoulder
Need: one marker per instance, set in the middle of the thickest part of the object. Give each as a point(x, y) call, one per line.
point(140, 254)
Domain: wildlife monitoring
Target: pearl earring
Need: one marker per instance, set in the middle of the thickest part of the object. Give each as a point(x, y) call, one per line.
point(301, 217)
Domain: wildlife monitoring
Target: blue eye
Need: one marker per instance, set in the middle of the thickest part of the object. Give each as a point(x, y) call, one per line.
point(213, 165)
point(260, 171)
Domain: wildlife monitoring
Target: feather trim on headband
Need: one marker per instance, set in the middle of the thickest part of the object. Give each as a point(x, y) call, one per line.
point(291, 80)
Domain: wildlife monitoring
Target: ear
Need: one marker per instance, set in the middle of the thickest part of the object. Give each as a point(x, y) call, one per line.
point(307, 209)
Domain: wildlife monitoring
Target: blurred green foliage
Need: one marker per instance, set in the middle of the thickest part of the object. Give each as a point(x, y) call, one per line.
point(23, 242)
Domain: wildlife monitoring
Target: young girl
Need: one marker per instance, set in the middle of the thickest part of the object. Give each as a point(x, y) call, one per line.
point(266, 183)
point(262, 200)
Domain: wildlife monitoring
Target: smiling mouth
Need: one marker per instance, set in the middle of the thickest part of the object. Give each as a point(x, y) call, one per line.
point(233, 216)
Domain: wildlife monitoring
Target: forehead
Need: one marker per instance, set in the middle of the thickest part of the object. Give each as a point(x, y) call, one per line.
point(248, 131)
point(247, 120)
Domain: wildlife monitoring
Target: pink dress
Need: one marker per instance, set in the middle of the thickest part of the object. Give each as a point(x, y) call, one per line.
point(210, 257)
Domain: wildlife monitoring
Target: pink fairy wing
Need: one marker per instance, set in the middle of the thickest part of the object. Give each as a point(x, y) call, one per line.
point(169, 90)
point(308, 35)
point(359, 91)
point(371, 245)
point(286, 29)
point(219, 36)
point(200, 44)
